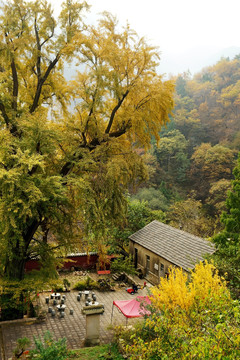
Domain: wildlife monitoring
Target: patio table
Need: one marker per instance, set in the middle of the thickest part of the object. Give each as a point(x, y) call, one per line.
point(61, 307)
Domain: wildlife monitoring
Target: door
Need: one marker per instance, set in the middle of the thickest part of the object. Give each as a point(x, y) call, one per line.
point(147, 264)
point(135, 258)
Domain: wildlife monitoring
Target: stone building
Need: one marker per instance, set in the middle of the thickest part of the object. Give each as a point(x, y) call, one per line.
point(158, 246)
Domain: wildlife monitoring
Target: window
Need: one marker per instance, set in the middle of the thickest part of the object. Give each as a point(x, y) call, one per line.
point(162, 267)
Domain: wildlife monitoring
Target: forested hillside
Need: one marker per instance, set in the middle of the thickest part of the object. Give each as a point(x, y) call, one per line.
point(190, 170)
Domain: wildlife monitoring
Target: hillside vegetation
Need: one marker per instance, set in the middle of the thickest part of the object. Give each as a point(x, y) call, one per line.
point(191, 168)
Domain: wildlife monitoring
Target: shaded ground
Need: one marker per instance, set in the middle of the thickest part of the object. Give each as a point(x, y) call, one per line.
point(72, 327)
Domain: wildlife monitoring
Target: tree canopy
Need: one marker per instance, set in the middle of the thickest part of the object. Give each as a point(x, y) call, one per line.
point(61, 167)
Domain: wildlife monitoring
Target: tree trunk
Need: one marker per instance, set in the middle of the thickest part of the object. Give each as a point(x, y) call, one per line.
point(12, 300)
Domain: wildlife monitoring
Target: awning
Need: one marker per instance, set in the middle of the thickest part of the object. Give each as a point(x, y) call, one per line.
point(134, 307)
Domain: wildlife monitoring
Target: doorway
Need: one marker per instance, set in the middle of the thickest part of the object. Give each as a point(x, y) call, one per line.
point(135, 258)
point(147, 264)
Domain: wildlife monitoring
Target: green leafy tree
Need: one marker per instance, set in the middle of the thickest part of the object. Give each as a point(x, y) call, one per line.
point(59, 167)
point(122, 264)
point(217, 196)
point(227, 241)
point(186, 120)
point(138, 215)
point(172, 156)
point(189, 215)
point(208, 165)
point(154, 198)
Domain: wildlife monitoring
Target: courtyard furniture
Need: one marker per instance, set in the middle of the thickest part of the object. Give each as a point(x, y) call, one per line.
point(61, 307)
point(56, 296)
point(86, 293)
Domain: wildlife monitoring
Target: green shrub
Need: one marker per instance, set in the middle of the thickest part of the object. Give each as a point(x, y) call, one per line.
point(22, 345)
point(86, 283)
point(123, 265)
point(66, 284)
point(49, 349)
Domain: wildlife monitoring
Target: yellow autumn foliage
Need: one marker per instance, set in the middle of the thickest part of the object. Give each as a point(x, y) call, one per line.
point(192, 317)
point(206, 283)
point(173, 292)
point(176, 291)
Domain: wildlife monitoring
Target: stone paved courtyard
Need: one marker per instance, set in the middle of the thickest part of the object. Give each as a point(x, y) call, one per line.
point(72, 327)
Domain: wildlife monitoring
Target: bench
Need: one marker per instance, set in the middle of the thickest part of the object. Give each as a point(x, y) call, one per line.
point(103, 272)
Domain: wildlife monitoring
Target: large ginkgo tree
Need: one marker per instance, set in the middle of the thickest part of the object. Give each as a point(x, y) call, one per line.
point(67, 148)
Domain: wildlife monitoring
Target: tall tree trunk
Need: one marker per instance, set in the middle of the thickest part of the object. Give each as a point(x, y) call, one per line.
point(13, 303)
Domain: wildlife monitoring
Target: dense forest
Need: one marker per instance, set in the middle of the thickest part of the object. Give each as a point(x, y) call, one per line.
point(191, 168)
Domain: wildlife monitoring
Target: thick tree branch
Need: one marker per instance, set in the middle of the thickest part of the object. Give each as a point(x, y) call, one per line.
point(15, 85)
point(13, 128)
point(4, 114)
point(39, 50)
point(67, 167)
point(114, 112)
point(41, 82)
point(118, 133)
point(31, 229)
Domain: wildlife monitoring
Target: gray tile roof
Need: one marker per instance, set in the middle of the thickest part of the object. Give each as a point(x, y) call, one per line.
point(177, 246)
